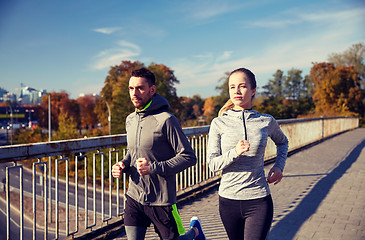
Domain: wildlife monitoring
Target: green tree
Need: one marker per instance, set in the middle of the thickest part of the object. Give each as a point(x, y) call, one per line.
point(274, 87)
point(287, 96)
point(67, 127)
point(293, 84)
point(223, 96)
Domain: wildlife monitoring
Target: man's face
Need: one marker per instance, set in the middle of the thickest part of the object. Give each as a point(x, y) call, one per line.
point(140, 92)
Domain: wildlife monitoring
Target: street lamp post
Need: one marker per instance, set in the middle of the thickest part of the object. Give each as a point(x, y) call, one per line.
point(49, 118)
point(30, 118)
point(11, 124)
point(109, 117)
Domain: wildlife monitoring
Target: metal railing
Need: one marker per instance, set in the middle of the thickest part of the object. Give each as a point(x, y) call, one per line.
point(78, 168)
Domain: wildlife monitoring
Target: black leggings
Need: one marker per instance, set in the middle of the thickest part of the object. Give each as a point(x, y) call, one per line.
point(246, 219)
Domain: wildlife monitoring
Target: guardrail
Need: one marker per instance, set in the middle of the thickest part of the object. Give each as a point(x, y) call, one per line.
point(55, 214)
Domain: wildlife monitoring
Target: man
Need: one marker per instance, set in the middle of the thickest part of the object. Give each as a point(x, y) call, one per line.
point(157, 150)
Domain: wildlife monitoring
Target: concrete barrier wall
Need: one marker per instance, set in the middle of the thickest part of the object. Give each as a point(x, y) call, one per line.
point(301, 132)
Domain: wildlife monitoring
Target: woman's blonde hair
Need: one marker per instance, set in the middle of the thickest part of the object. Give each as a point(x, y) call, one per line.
point(251, 77)
point(228, 105)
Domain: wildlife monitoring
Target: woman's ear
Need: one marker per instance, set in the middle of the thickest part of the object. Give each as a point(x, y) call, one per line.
point(253, 92)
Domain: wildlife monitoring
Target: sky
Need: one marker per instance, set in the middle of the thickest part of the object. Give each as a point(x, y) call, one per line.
point(70, 45)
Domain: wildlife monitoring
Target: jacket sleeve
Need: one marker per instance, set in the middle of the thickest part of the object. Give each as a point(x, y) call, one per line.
point(184, 154)
point(215, 159)
point(127, 162)
point(281, 142)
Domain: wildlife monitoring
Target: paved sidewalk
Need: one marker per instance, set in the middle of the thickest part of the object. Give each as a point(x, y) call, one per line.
point(321, 197)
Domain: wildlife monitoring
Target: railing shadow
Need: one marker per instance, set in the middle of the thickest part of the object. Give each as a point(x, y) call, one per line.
point(289, 225)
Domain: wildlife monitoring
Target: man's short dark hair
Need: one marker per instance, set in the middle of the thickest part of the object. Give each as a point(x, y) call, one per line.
point(145, 73)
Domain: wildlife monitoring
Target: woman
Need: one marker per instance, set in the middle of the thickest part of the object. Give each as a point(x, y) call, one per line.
point(236, 145)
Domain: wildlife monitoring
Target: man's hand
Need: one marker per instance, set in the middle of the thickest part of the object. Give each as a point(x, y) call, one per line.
point(275, 175)
point(143, 166)
point(242, 146)
point(117, 169)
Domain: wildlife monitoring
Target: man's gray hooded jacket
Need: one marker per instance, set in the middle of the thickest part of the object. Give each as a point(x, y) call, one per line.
point(156, 134)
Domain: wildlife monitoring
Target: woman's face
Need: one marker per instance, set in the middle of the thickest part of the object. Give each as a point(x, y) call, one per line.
point(240, 91)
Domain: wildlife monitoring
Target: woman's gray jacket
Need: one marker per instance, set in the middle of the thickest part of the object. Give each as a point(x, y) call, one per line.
point(243, 176)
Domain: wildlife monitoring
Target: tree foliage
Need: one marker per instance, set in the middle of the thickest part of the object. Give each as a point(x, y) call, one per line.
point(274, 87)
point(211, 108)
point(291, 86)
point(223, 96)
point(337, 90)
point(354, 56)
point(191, 110)
point(287, 96)
point(88, 117)
point(59, 101)
point(67, 127)
point(116, 93)
point(33, 135)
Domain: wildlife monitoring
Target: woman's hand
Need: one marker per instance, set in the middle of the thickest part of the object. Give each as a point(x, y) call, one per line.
point(275, 175)
point(242, 146)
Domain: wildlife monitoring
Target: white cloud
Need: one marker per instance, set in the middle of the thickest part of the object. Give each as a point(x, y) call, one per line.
point(198, 74)
point(110, 57)
point(353, 15)
point(107, 30)
point(226, 55)
point(208, 9)
point(287, 18)
point(272, 23)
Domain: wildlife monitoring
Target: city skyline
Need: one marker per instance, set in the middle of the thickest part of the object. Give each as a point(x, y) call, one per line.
point(71, 45)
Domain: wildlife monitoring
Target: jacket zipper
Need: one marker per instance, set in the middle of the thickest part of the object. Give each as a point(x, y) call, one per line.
point(137, 134)
point(244, 124)
point(142, 196)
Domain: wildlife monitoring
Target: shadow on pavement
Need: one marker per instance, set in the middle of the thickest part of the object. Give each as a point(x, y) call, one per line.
point(288, 226)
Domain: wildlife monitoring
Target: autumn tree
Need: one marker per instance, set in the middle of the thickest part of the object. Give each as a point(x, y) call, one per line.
point(337, 90)
point(213, 104)
point(88, 117)
point(354, 56)
point(191, 110)
point(59, 100)
point(198, 104)
point(115, 92)
point(211, 108)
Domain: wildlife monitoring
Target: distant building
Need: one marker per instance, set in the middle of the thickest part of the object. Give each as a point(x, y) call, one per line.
point(11, 97)
point(26, 95)
point(36, 96)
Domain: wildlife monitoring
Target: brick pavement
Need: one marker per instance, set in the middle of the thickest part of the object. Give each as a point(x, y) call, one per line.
point(321, 197)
